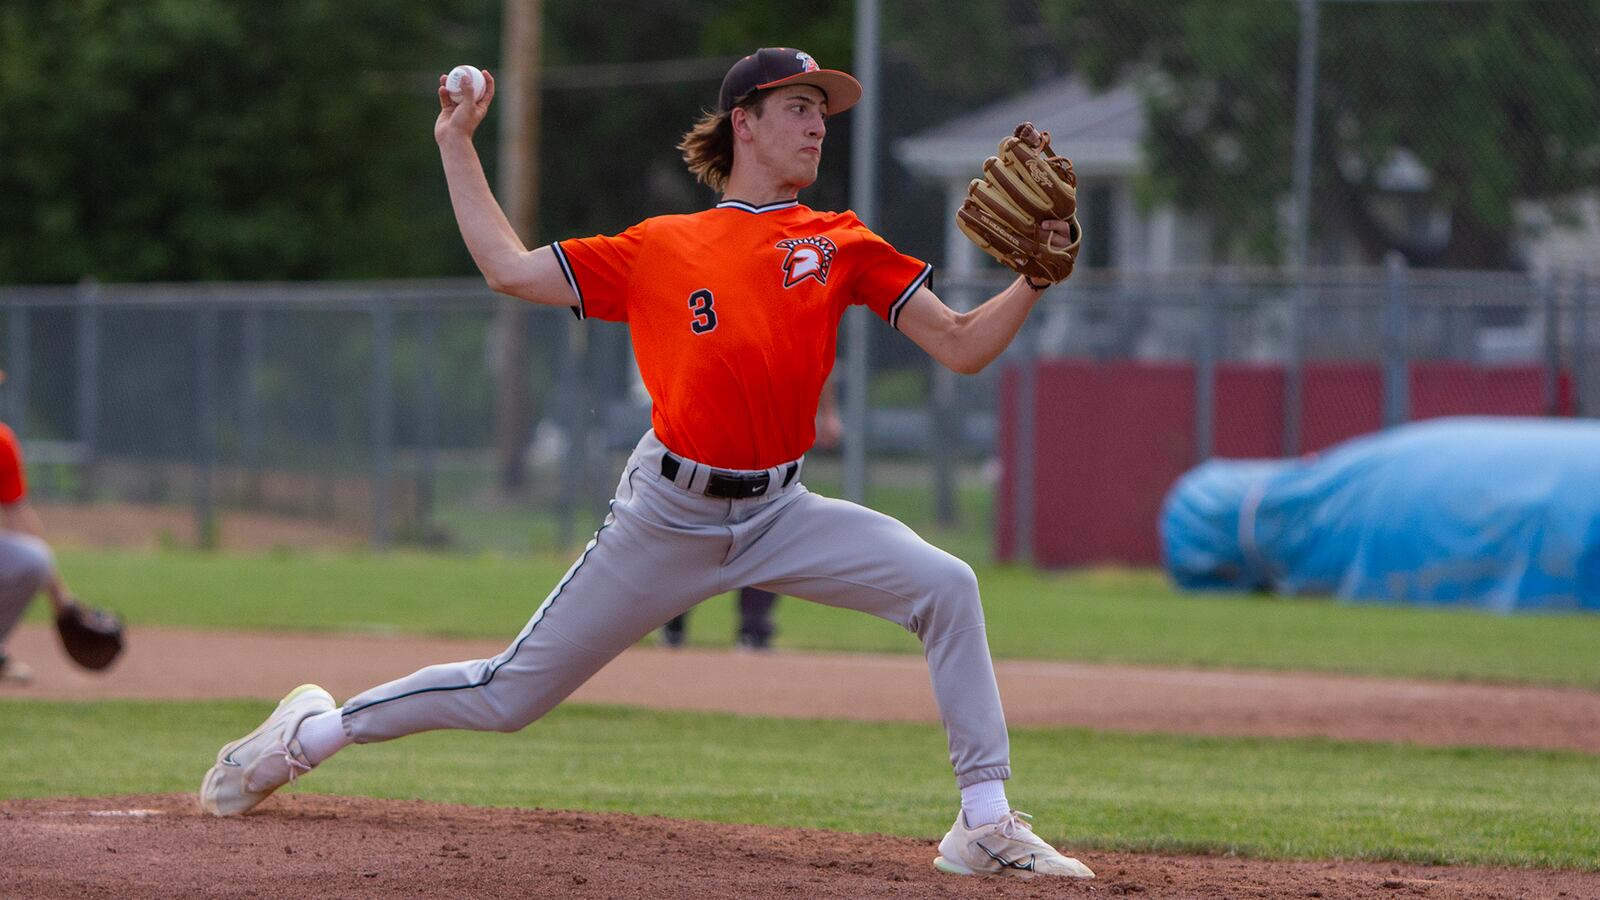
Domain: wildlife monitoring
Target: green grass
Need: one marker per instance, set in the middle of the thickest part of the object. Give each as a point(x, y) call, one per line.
point(1101, 616)
point(1267, 798)
point(414, 593)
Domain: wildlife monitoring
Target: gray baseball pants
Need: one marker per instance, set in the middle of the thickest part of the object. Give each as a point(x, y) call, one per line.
point(664, 547)
point(25, 567)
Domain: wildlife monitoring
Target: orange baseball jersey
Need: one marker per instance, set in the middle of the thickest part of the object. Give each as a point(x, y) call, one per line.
point(13, 481)
point(734, 314)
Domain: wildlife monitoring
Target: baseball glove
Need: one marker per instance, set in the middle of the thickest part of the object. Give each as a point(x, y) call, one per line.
point(1024, 185)
point(92, 637)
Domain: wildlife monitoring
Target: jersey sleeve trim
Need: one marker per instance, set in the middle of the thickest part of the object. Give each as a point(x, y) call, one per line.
point(572, 279)
point(905, 295)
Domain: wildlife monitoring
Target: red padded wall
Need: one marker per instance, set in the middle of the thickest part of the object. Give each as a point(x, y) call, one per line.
point(1111, 438)
point(1247, 418)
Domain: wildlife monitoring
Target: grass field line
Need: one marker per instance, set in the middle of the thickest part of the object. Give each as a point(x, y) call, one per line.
point(178, 663)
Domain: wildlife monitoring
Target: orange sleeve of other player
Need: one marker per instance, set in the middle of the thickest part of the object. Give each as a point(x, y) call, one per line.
point(599, 270)
point(881, 277)
point(13, 482)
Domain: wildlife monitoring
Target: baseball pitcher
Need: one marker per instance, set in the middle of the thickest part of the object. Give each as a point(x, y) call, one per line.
point(734, 313)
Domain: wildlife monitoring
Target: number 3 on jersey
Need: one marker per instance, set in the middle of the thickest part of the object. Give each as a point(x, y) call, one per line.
point(705, 318)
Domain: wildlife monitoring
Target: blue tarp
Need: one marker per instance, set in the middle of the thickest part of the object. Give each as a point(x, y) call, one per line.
point(1499, 513)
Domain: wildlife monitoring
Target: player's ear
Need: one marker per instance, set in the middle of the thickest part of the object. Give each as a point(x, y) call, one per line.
point(739, 120)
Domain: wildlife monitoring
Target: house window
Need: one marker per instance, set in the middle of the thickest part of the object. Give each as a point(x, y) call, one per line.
point(1095, 207)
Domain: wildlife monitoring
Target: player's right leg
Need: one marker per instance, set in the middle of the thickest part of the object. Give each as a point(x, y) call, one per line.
point(841, 554)
point(650, 561)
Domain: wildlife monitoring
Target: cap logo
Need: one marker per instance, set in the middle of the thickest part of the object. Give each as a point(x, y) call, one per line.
point(807, 64)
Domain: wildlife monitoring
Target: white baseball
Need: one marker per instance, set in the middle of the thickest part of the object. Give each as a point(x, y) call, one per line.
point(459, 78)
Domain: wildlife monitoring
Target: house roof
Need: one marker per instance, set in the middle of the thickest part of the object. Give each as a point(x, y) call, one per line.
point(1100, 131)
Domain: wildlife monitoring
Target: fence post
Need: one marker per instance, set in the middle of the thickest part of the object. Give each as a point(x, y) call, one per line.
point(382, 423)
point(945, 436)
point(1582, 404)
point(205, 444)
point(250, 406)
point(1293, 366)
point(17, 371)
point(88, 377)
point(1552, 346)
point(1022, 484)
point(1205, 373)
point(428, 414)
point(945, 430)
point(1396, 374)
point(572, 394)
point(961, 267)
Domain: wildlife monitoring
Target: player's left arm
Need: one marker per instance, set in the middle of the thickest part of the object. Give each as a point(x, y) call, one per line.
point(966, 342)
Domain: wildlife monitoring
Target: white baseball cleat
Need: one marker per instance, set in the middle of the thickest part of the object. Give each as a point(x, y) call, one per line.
point(251, 768)
point(1006, 847)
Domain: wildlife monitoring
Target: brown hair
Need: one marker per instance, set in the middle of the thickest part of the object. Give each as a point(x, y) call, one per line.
point(708, 146)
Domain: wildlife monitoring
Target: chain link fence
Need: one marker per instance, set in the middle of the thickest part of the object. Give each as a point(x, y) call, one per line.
point(1124, 382)
point(372, 405)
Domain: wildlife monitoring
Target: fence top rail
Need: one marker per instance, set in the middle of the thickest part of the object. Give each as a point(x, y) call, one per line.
point(1463, 286)
point(1193, 277)
point(331, 294)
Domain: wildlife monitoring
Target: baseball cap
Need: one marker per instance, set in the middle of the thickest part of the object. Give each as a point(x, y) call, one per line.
point(772, 67)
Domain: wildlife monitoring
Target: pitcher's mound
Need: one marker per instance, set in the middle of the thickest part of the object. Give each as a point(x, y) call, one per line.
point(304, 845)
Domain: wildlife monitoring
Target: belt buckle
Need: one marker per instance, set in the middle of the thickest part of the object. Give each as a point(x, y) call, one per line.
point(737, 486)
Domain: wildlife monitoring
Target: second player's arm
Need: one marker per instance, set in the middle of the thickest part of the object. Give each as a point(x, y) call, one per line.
point(966, 342)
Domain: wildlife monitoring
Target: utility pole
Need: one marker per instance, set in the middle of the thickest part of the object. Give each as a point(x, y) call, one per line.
point(517, 96)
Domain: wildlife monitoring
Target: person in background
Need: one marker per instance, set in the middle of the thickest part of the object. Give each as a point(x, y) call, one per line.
point(26, 563)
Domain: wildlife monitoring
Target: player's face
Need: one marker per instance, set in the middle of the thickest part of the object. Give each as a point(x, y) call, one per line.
point(789, 132)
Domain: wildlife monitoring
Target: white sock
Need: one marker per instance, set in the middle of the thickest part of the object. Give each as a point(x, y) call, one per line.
point(321, 736)
point(984, 803)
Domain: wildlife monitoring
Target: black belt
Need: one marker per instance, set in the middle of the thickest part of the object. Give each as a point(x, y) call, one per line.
point(729, 484)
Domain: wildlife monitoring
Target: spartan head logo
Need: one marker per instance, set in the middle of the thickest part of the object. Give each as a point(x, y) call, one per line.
point(807, 64)
point(809, 257)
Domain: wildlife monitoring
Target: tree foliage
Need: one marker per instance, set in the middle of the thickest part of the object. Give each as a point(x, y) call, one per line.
point(609, 156)
point(1496, 100)
point(210, 139)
